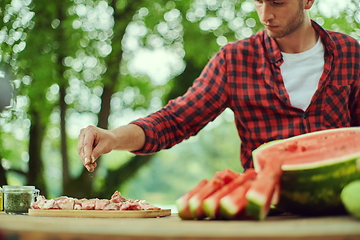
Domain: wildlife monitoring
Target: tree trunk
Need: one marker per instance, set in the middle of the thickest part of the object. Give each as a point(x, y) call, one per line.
point(123, 174)
point(112, 80)
point(64, 147)
point(104, 113)
point(36, 168)
point(63, 84)
point(2, 174)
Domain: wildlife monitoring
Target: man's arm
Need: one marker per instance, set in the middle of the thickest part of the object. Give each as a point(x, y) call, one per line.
point(94, 141)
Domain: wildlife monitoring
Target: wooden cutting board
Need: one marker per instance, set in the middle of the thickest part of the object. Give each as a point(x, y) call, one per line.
point(101, 213)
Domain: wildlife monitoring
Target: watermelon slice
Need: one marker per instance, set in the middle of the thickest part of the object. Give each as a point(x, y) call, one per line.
point(232, 206)
point(212, 203)
point(182, 203)
point(220, 179)
point(227, 175)
point(276, 196)
point(316, 167)
point(262, 190)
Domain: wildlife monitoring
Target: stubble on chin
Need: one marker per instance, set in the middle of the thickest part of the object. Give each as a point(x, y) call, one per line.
point(271, 34)
point(293, 25)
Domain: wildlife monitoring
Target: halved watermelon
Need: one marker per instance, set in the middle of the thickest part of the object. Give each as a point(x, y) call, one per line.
point(211, 204)
point(316, 167)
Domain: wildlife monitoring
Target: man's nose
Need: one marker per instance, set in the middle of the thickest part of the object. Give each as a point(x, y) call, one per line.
point(266, 14)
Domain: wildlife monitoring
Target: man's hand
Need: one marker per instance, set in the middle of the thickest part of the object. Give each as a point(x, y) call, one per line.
point(94, 141)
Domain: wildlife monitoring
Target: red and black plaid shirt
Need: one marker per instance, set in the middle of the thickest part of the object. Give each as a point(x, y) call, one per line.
point(245, 77)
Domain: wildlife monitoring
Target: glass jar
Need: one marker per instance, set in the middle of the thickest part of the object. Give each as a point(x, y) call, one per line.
point(18, 199)
point(17, 187)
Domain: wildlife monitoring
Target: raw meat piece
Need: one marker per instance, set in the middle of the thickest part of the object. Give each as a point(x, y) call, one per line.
point(146, 206)
point(49, 204)
point(113, 206)
point(38, 203)
point(100, 204)
point(130, 206)
point(78, 203)
point(77, 206)
point(117, 202)
point(88, 204)
point(117, 198)
point(65, 203)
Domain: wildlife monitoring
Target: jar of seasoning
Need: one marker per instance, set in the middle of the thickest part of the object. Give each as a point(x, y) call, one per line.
point(18, 199)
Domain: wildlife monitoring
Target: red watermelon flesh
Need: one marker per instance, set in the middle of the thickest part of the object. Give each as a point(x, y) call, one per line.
point(227, 175)
point(220, 179)
point(182, 203)
point(312, 148)
point(211, 204)
point(232, 206)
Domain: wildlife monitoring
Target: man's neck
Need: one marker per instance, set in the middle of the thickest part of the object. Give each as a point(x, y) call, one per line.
point(299, 41)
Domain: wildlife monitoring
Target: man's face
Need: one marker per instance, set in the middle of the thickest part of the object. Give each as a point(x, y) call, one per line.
point(280, 17)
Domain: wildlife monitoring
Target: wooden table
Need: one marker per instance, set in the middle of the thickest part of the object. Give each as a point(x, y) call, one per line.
point(172, 227)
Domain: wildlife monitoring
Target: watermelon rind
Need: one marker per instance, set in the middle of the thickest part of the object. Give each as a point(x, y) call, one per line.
point(195, 208)
point(209, 207)
point(182, 203)
point(314, 188)
point(231, 192)
point(232, 206)
point(317, 191)
point(183, 209)
point(227, 209)
point(329, 162)
point(255, 205)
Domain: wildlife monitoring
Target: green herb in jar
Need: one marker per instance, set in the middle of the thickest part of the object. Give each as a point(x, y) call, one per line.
point(17, 202)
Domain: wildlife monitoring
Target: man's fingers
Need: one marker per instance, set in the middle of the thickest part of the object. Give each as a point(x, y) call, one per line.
point(88, 146)
point(86, 143)
point(92, 159)
point(82, 143)
point(87, 161)
point(91, 167)
point(93, 142)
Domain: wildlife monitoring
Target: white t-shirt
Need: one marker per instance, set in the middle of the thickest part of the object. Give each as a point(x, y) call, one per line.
point(301, 73)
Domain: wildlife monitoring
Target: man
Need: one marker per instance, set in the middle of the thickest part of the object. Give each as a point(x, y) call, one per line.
point(291, 78)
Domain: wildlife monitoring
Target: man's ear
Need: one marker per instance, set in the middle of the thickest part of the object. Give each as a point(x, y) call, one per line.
point(308, 4)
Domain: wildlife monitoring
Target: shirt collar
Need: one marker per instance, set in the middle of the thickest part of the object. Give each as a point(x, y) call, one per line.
point(325, 37)
point(275, 53)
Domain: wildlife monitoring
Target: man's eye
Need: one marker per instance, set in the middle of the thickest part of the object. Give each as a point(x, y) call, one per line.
point(278, 3)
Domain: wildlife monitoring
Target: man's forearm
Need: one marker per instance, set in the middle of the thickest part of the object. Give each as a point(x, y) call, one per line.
point(129, 137)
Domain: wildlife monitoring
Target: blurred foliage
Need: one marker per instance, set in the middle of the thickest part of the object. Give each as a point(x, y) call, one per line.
point(107, 62)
